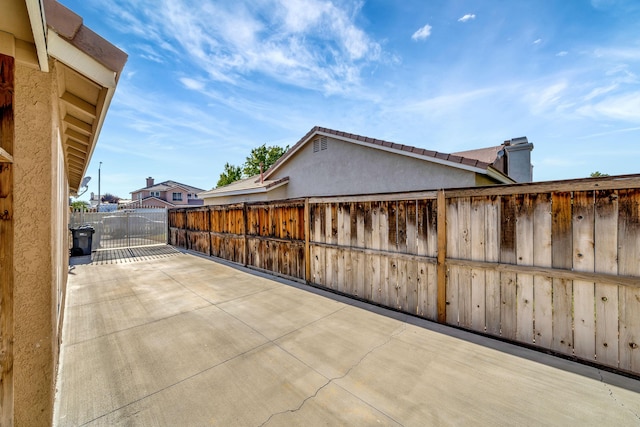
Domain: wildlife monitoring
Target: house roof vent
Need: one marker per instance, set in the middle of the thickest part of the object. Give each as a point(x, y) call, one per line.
point(319, 144)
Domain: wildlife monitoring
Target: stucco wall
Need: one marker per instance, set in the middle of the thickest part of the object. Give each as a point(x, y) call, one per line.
point(38, 245)
point(346, 168)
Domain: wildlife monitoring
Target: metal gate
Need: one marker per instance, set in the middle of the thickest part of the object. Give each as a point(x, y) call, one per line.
point(124, 228)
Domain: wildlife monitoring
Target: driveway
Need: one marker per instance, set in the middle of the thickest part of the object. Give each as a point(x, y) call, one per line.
point(182, 340)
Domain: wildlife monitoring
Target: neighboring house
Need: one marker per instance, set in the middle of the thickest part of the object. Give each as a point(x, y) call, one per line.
point(327, 162)
point(57, 79)
point(167, 194)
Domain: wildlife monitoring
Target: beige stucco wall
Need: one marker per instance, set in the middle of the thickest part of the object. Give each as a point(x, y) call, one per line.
point(40, 192)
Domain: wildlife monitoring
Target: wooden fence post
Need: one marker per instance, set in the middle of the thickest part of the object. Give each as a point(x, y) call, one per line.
point(6, 239)
point(442, 257)
point(307, 232)
point(245, 233)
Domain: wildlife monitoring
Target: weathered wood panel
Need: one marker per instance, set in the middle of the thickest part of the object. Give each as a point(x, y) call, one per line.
point(584, 334)
point(542, 256)
point(508, 294)
point(524, 256)
point(199, 241)
point(478, 288)
point(453, 239)
point(606, 261)
point(629, 265)
point(562, 250)
point(464, 252)
point(493, 301)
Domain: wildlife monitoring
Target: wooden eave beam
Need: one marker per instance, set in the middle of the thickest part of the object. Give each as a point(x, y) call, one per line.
point(74, 101)
point(78, 125)
point(77, 136)
point(78, 146)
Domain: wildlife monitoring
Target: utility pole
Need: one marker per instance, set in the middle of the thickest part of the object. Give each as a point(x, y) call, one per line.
point(99, 196)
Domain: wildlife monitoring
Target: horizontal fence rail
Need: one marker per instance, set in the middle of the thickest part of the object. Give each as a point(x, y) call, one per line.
point(121, 229)
point(550, 265)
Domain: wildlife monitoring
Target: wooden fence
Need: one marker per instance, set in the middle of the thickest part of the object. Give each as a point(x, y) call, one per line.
point(553, 265)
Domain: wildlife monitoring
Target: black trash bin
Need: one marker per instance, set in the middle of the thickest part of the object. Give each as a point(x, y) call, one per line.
point(82, 240)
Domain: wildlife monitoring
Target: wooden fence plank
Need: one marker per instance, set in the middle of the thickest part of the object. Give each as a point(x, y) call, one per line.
point(392, 221)
point(464, 252)
point(629, 264)
point(453, 239)
point(431, 218)
point(402, 226)
point(562, 249)
point(478, 290)
point(524, 256)
point(412, 227)
point(492, 253)
point(606, 261)
point(508, 294)
point(584, 335)
point(542, 286)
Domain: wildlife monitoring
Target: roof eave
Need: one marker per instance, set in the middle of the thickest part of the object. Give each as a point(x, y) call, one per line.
point(35, 10)
point(318, 131)
point(493, 173)
point(256, 190)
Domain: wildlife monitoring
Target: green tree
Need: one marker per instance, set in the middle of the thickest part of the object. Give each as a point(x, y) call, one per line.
point(597, 174)
point(109, 198)
point(265, 155)
point(230, 174)
point(79, 205)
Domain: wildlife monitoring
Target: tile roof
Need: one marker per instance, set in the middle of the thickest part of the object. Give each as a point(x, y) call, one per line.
point(421, 152)
point(247, 184)
point(488, 155)
point(165, 185)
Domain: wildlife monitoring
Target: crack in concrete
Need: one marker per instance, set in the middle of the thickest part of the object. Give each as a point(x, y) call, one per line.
point(394, 334)
point(610, 390)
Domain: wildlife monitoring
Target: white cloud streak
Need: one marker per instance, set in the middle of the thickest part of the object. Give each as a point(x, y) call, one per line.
point(313, 44)
point(467, 17)
point(422, 33)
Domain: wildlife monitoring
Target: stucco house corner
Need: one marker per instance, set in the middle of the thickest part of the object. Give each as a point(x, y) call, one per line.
point(57, 79)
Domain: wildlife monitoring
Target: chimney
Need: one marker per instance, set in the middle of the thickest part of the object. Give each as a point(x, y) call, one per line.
point(149, 182)
point(261, 173)
point(518, 153)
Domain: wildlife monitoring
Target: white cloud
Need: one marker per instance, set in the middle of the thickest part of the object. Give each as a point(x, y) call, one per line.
point(600, 91)
point(543, 99)
point(562, 53)
point(312, 44)
point(422, 33)
point(192, 84)
point(537, 41)
point(624, 107)
point(467, 17)
point(443, 104)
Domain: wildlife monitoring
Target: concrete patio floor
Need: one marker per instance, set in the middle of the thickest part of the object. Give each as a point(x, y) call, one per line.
point(187, 341)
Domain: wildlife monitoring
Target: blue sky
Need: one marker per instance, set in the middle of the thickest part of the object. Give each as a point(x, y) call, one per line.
point(206, 80)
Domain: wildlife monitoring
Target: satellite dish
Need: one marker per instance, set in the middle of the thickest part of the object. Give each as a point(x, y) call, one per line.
point(85, 181)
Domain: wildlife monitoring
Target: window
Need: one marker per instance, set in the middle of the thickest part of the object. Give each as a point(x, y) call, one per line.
point(177, 197)
point(154, 193)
